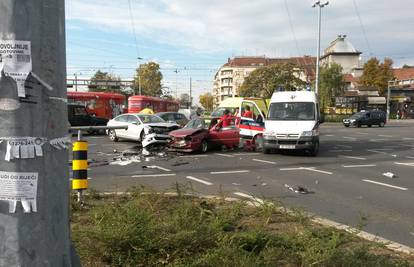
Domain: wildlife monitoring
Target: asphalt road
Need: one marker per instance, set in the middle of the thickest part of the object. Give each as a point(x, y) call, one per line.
point(345, 182)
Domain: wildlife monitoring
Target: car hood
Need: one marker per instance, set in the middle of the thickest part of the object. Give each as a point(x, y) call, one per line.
point(289, 127)
point(186, 132)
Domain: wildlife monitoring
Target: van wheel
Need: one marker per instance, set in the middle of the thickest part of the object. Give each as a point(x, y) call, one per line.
point(112, 136)
point(315, 149)
point(204, 146)
point(382, 124)
point(258, 142)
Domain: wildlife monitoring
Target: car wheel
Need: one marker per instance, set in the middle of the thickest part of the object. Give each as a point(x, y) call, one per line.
point(358, 125)
point(315, 149)
point(258, 142)
point(382, 124)
point(112, 135)
point(204, 146)
point(346, 126)
point(369, 125)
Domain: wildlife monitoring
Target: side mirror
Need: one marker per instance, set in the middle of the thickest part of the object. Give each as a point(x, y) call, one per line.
point(135, 122)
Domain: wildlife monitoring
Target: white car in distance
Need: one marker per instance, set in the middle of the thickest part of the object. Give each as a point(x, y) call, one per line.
point(141, 126)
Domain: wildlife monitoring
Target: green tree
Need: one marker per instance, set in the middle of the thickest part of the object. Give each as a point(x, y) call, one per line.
point(331, 84)
point(150, 76)
point(184, 100)
point(207, 101)
point(262, 82)
point(377, 74)
point(104, 82)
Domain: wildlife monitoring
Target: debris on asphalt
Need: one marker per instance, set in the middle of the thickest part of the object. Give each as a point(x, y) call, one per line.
point(254, 184)
point(389, 175)
point(297, 189)
point(264, 184)
point(115, 151)
point(235, 184)
point(124, 161)
point(145, 152)
point(316, 182)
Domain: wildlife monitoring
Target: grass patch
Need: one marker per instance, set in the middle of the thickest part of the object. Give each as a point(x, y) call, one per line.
point(149, 229)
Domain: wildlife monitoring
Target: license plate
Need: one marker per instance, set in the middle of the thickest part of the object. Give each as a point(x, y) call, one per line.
point(287, 146)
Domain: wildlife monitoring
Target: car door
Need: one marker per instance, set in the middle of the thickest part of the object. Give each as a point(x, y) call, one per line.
point(120, 121)
point(134, 127)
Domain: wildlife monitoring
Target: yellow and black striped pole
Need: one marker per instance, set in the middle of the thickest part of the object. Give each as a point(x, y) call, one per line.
point(80, 167)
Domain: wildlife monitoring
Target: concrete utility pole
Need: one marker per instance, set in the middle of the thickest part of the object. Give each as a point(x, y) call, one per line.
point(40, 236)
point(319, 5)
point(191, 92)
point(139, 75)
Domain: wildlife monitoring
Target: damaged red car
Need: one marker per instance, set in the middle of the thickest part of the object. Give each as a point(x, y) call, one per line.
point(203, 134)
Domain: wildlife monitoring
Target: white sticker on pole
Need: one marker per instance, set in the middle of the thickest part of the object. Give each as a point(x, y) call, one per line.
point(19, 186)
point(16, 62)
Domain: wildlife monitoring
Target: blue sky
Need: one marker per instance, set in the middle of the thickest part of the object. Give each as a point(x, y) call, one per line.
point(197, 36)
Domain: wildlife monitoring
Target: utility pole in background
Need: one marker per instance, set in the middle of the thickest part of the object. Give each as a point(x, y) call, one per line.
point(191, 92)
point(319, 5)
point(34, 232)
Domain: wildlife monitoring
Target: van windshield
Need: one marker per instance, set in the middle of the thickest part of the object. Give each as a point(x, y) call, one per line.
point(220, 111)
point(292, 111)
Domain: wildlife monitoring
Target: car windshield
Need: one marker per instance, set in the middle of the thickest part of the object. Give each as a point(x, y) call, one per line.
point(196, 124)
point(292, 111)
point(150, 119)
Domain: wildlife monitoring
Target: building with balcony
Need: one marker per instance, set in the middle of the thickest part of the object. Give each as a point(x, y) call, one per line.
point(229, 78)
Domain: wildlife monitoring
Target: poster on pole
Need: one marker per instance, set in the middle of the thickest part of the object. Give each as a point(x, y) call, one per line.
point(16, 62)
point(19, 186)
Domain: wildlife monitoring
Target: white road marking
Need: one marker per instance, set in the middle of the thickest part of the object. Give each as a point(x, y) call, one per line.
point(264, 161)
point(315, 170)
point(383, 149)
point(158, 167)
point(361, 133)
point(407, 145)
point(224, 155)
point(340, 150)
point(198, 180)
point(153, 175)
point(225, 172)
point(359, 166)
point(91, 144)
point(387, 185)
point(307, 169)
point(258, 200)
point(411, 164)
point(352, 157)
point(408, 138)
point(245, 154)
point(377, 140)
point(330, 135)
point(194, 156)
point(384, 135)
point(409, 157)
point(350, 138)
point(376, 151)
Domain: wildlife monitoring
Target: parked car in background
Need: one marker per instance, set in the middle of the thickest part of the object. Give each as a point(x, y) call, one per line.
point(175, 117)
point(79, 116)
point(202, 134)
point(368, 118)
point(139, 126)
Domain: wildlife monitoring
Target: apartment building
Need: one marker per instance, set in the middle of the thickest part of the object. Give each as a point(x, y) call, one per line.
point(229, 78)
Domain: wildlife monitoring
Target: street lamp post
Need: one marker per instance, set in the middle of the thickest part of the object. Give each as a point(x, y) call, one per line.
point(388, 99)
point(76, 80)
point(139, 75)
point(318, 52)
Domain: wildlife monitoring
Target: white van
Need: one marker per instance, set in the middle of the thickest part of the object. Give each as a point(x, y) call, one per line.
point(292, 122)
